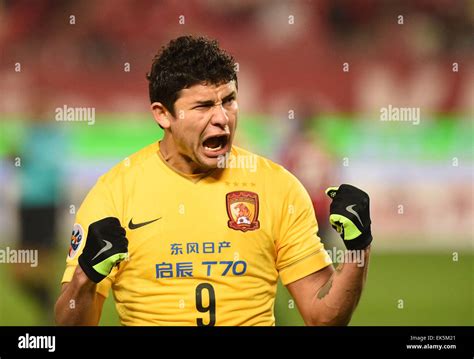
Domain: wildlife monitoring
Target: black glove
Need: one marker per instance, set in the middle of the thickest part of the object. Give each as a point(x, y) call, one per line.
point(106, 245)
point(349, 215)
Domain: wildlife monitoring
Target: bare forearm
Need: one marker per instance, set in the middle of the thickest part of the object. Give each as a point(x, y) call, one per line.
point(336, 300)
point(78, 303)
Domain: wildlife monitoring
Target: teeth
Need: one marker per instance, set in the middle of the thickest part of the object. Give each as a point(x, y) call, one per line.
point(213, 149)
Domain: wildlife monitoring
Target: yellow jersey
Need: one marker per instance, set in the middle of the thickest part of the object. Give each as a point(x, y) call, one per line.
point(203, 249)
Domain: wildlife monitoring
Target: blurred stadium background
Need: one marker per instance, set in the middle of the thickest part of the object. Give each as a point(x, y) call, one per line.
point(313, 78)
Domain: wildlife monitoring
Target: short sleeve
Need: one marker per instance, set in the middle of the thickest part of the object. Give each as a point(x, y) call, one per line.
point(299, 249)
point(97, 205)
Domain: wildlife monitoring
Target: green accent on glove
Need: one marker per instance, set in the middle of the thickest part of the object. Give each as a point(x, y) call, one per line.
point(348, 229)
point(105, 267)
point(332, 191)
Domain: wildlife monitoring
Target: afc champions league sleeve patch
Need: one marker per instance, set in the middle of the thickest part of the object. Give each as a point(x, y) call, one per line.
point(76, 239)
point(242, 209)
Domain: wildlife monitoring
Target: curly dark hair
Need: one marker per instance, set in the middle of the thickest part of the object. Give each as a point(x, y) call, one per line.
point(187, 61)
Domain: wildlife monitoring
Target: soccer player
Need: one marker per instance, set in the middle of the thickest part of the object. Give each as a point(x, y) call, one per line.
point(185, 234)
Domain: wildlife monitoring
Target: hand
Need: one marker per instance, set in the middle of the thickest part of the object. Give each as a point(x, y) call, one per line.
point(350, 216)
point(106, 246)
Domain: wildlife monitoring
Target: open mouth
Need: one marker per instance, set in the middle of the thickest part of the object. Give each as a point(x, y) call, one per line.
point(215, 143)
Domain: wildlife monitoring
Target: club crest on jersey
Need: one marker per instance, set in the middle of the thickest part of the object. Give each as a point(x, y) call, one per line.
point(76, 239)
point(242, 209)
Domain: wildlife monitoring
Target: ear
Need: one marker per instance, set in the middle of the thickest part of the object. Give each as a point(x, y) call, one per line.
point(161, 114)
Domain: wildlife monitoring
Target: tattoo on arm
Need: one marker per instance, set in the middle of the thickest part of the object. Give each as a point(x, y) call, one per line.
point(325, 289)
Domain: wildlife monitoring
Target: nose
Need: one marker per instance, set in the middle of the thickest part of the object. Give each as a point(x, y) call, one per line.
point(219, 116)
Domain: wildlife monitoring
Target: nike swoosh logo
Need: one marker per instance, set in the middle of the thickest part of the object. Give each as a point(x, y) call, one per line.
point(350, 210)
point(132, 225)
point(107, 246)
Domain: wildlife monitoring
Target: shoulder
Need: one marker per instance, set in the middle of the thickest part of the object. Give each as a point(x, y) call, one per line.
point(263, 163)
point(273, 172)
point(130, 164)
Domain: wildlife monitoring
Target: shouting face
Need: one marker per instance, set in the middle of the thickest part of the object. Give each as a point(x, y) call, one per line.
point(202, 128)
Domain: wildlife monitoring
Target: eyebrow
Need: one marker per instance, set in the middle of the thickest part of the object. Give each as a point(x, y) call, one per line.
point(211, 102)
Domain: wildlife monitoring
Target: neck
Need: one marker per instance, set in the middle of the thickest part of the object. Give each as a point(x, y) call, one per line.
point(178, 161)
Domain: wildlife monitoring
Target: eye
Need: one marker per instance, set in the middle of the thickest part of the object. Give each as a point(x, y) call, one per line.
point(202, 107)
point(229, 101)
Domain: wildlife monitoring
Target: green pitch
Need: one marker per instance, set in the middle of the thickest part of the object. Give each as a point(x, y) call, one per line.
point(435, 290)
